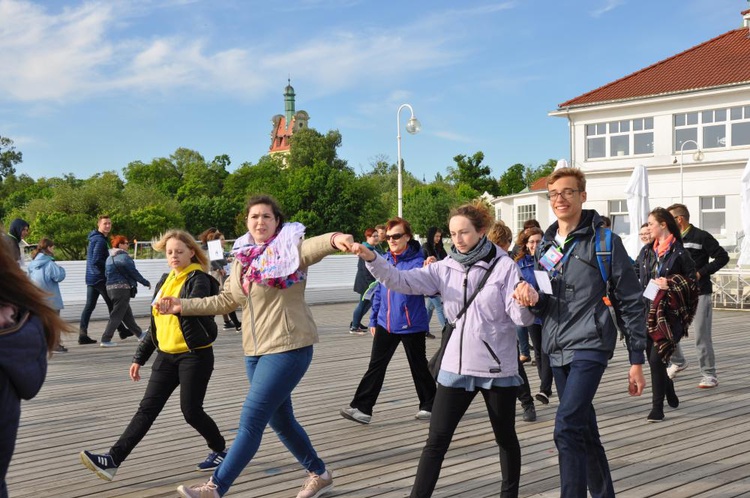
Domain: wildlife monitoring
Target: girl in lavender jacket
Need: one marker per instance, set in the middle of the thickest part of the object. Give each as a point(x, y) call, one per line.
point(480, 356)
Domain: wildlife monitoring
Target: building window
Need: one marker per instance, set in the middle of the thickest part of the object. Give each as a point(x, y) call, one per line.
point(713, 215)
point(712, 128)
point(618, 213)
point(523, 213)
point(620, 138)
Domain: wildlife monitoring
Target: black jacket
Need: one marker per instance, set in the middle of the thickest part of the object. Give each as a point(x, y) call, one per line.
point(702, 245)
point(575, 316)
point(198, 331)
point(364, 278)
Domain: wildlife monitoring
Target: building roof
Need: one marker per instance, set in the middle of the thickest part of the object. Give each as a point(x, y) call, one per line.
point(722, 61)
point(539, 184)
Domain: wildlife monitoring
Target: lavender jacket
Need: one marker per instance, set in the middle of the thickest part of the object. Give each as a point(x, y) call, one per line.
point(488, 327)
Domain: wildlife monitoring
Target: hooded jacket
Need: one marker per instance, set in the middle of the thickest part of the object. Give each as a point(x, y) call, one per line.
point(364, 278)
point(13, 238)
point(96, 256)
point(47, 275)
point(120, 269)
point(487, 330)
point(396, 312)
point(575, 316)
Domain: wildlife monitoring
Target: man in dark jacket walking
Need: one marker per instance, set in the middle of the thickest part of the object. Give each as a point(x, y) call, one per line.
point(709, 257)
point(96, 281)
point(579, 334)
point(362, 282)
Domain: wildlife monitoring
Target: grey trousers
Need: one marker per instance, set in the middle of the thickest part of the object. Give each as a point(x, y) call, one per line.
point(700, 330)
point(121, 313)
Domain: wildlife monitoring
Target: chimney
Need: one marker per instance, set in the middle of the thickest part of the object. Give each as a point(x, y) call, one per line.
point(746, 17)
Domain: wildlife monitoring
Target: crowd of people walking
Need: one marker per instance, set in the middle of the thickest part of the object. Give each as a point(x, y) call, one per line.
point(500, 310)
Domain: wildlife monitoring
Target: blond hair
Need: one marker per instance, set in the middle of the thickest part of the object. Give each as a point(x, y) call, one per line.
point(500, 234)
point(199, 256)
point(563, 172)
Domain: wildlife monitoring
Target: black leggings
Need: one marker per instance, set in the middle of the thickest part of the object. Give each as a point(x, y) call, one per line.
point(447, 411)
point(191, 371)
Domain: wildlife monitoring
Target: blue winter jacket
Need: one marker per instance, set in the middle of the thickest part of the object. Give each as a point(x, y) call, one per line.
point(120, 269)
point(23, 366)
point(527, 265)
point(96, 255)
point(47, 275)
point(396, 312)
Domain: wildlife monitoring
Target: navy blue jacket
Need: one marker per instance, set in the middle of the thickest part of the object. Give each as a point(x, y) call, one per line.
point(121, 269)
point(399, 313)
point(96, 255)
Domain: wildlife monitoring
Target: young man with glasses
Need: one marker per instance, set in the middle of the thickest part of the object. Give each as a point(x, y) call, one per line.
point(709, 257)
point(578, 333)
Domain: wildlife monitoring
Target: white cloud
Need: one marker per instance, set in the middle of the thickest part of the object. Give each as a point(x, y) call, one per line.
point(608, 6)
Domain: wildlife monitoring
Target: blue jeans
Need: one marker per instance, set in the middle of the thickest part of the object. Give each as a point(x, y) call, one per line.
point(580, 452)
point(272, 378)
point(362, 307)
point(523, 341)
point(435, 303)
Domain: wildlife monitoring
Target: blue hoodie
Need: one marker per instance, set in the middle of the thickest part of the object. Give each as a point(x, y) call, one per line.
point(47, 275)
point(96, 256)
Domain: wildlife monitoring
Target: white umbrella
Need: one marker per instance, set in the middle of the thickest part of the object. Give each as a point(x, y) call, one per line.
point(637, 191)
point(744, 258)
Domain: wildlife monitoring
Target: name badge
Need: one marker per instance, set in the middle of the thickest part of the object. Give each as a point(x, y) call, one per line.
point(551, 258)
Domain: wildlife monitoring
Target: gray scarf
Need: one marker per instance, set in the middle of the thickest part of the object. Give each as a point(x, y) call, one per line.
point(477, 253)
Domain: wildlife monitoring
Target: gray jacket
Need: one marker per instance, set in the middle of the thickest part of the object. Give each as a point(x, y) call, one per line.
point(575, 317)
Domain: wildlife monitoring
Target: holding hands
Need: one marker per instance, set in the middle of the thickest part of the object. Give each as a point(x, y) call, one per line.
point(525, 294)
point(363, 252)
point(169, 305)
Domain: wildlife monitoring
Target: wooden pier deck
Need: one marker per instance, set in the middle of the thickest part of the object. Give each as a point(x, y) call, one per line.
point(702, 449)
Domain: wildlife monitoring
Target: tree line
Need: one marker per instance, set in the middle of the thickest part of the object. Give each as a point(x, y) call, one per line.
point(313, 184)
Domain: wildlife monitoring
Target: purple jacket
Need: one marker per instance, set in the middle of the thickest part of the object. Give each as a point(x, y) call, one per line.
point(488, 327)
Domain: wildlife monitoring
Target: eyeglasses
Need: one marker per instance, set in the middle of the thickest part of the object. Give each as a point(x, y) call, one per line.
point(394, 236)
point(566, 193)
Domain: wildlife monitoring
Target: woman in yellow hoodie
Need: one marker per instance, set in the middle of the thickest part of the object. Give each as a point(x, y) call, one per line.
point(184, 358)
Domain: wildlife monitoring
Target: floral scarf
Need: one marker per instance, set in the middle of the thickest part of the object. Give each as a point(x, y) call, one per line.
point(274, 263)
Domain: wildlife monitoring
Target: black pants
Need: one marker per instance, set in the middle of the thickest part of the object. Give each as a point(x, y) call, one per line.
point(191, 371)
point(384, 344)
point(120, 314)
point(450, 406)
point(660, 381)
point(92, 296)
point(541, 359)
point(524, 390)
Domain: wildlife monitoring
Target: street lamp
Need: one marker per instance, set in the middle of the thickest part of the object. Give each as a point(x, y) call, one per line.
point(697, 156)
point(412, 126)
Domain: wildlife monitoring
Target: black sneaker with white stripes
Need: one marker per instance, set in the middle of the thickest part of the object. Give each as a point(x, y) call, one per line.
point(102, 465)
point(212, 461)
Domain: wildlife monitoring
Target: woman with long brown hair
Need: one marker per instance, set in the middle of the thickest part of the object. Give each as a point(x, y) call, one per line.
point(29, 330)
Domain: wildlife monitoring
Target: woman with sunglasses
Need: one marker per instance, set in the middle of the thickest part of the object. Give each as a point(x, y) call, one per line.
point(481, 354)
point(395, 318)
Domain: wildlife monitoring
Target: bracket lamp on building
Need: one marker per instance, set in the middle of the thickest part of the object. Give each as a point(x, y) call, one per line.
point(697, 157)
point(413, 126)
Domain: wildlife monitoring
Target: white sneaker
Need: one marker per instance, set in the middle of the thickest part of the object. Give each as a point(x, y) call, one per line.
point(315, 485)
point(355, 415)
point(108, 344)
point(423, 415)
point(708, 381)
point(673, 369)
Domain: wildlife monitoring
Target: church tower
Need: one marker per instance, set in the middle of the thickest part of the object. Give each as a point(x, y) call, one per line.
point(284, 125)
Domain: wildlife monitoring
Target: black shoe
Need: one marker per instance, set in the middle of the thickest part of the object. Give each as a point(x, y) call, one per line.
point(363, 328)
point(672, 399)
point(124, 334)
point(229, 326)
point(542, 398)
point(430, 336)
point(656, 415)
point(84, 339)
point(60, 349)
point(529, 413)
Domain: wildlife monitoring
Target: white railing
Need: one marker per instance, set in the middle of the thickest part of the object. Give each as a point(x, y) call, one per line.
point(731, 288)
point(329, 281)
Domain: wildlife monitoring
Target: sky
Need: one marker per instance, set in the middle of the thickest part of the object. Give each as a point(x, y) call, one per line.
point(90, 86)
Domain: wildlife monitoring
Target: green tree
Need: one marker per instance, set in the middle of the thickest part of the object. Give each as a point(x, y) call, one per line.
point(428, 205)
point(470, 171)
point(9, 157)
point(513, 180)
point(160, 174)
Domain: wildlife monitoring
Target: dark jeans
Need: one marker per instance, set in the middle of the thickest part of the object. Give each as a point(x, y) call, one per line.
point(660, 381)
point(580, 452)
point(363, 306)
point(384, 344)
point(92, 295)
point(542, 360)
point(121, 313)
point(191, 371)
point(450, 406)
point(524, 390)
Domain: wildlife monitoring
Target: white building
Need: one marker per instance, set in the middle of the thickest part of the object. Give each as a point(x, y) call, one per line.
point(686, 119)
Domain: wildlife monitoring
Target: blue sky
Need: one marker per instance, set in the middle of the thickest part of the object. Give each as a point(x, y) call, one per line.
point(91, 86)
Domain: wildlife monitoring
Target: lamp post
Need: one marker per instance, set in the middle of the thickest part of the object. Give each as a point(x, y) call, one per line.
point(697, 156)
point(412, 126)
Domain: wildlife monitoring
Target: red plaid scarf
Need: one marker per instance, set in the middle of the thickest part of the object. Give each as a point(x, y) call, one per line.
point(675, 306)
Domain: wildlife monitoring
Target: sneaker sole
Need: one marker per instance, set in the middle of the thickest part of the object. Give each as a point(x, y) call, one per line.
point(349, 417)
point(96, 470)
point(542, 399)
point(707, 387)
point(322, 491)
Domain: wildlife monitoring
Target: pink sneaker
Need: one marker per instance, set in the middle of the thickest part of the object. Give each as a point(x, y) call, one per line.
point(316, 485)
point(207, 490)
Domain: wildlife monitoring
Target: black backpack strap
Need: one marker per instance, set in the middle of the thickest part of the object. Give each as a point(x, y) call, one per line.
point(479, 287)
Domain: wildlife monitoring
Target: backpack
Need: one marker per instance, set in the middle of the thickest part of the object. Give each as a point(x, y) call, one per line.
point(603, 246)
